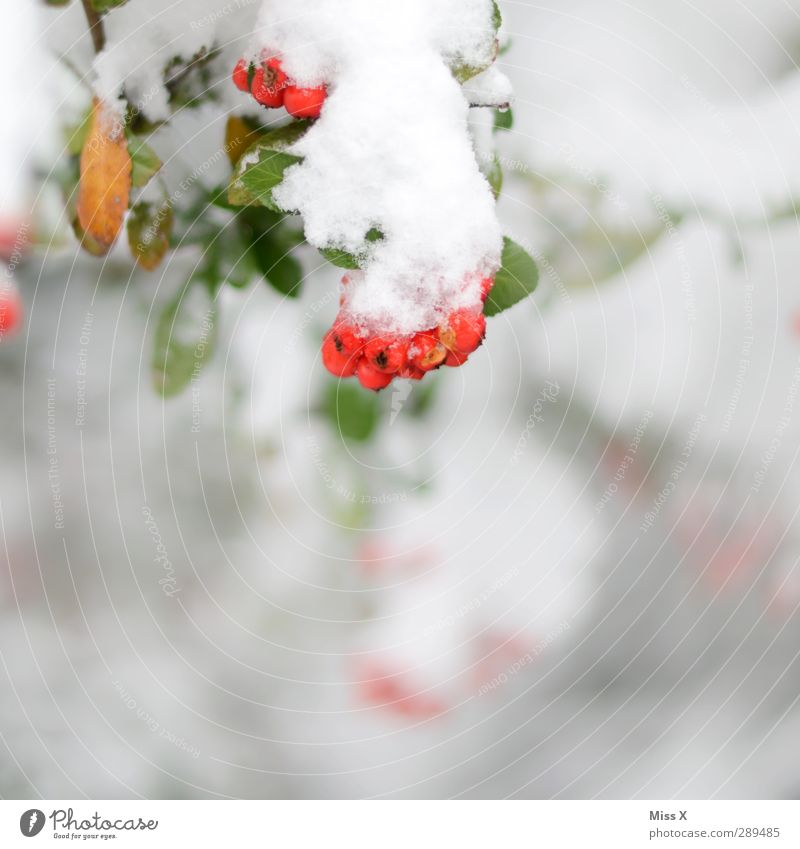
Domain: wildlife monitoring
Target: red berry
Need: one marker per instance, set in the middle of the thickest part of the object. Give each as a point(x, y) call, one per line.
point(455, 359)
point(411, 372)
point(486, 287)
point(338, 362)
point(275, 76)
point(387, 353)
point(426, 352)
point(464, 331)
point(447, 335)
point(241, 75)
point(347, 338)
point(265, 92)
point(371, 378)
point(304, 102)
point(10, 312)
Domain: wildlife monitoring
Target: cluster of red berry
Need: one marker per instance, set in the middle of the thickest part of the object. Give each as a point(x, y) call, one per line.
point(377, 360)
point(270, 86)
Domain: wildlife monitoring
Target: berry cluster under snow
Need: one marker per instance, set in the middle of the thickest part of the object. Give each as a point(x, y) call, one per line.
point(389, 154)
point(391, 151)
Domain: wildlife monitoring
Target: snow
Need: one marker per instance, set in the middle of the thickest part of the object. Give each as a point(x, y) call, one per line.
point(489, 88)
point(20, 95)
point(653, 114)
point(392, 150)
point(142, 38)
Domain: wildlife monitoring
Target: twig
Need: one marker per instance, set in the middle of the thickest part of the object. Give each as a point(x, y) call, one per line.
point(95, 22)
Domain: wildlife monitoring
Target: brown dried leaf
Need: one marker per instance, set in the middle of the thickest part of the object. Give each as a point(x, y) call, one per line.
point(105, 183)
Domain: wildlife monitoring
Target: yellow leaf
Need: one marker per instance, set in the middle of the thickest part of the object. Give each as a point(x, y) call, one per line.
point(238, 137)
point(105, 183)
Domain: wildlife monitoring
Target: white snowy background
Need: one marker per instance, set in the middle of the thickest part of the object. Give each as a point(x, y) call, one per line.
point(575, 575)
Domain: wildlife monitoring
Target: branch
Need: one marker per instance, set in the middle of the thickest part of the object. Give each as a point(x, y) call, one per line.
point(95, 22)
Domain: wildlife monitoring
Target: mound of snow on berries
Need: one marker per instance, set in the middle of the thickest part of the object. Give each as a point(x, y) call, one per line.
point(392, 151)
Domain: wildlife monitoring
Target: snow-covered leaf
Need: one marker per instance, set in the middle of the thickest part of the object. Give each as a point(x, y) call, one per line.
point(466, 71)
point(497, 16)
point(493, 171)
point(341, 259)
point(242, 133)
point(259, 170)
point(344, 259)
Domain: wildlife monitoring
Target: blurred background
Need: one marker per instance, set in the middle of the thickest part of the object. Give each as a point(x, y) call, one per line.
point(567, 569)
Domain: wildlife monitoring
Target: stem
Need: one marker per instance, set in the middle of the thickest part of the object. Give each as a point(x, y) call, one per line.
point(95, 26)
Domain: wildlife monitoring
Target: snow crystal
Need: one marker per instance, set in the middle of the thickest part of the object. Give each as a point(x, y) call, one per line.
point(392, 150)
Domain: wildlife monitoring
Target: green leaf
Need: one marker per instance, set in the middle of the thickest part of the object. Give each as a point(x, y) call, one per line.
point(515, 280)
point(269, 241)
point(145, 162)
point(90, 245)
point(503, 119)
point(76, 134)
point(149, 228)
point(257, 173)
point(105, 5)
point(185, 337)
point(279, 268)
point(286, 276)
point(282, 137)
point(352, 413)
